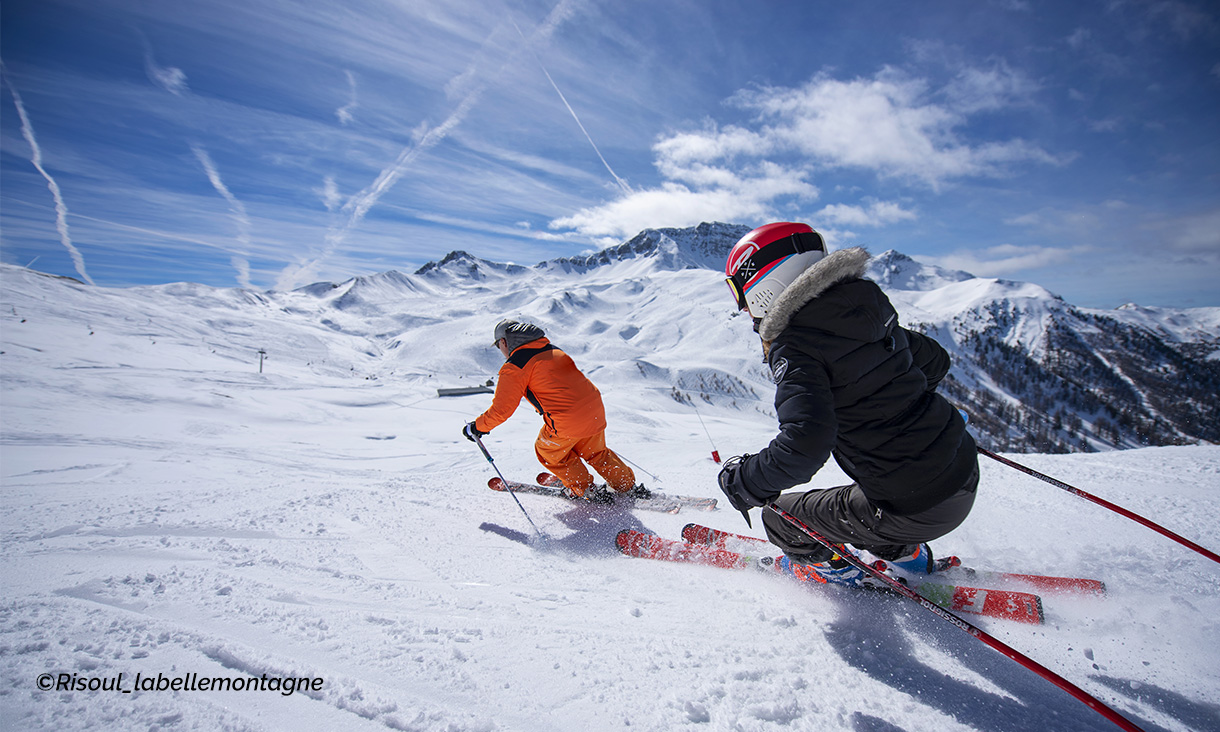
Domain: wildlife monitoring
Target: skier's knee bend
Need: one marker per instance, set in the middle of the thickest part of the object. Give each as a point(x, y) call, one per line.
point(795, 545)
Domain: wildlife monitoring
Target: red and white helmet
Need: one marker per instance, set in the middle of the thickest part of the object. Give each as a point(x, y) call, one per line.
point(764, 262)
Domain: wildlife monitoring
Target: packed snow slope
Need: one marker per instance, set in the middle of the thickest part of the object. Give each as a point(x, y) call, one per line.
point(168, 510)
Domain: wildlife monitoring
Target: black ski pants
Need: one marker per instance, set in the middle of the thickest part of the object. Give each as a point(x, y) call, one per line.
point(844, 515)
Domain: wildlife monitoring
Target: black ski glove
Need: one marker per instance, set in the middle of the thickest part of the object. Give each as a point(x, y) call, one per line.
point(471, 432)
point(730, 485)
point(740, 495)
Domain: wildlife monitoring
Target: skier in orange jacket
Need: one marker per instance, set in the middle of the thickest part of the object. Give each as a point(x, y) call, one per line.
point(573, 416)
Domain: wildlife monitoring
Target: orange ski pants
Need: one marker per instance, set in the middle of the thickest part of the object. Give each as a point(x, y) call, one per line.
point(562, 456)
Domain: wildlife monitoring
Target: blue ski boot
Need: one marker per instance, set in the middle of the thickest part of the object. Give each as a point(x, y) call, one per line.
point(917, 559)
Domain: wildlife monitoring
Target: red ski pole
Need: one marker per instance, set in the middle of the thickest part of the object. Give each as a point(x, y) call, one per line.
point(1080, 694)
point(1103, 502)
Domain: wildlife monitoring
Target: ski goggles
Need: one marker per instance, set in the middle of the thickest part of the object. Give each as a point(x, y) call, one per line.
point(738, 292)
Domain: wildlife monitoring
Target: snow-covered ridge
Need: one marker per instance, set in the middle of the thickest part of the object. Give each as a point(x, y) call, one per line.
point(703, 246)
point(461, 264)
point(894, 270)
point(1192, 325)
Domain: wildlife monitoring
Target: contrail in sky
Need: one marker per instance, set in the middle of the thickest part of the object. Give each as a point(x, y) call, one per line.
point(61, 208)
point(239, 261)
point(359, 204)
point(173, 80)
point(621, 183)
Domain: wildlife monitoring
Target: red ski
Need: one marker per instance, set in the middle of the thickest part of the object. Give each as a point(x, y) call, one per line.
point(1021, 607)
point(697, 534)
point(952, 567)
point(650, 546)
point(947, 568)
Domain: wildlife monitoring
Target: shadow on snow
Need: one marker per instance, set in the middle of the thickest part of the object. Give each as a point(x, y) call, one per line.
point(874, 634)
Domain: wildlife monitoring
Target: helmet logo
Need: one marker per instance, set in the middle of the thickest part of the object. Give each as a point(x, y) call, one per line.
point(740, 257)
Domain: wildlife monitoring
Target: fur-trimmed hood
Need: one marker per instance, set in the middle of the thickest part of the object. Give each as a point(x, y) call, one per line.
point(845, 264)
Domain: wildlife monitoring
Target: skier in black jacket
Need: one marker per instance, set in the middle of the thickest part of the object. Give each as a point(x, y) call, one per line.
point(850, 382)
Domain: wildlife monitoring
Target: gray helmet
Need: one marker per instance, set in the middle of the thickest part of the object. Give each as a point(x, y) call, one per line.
point(517, 333)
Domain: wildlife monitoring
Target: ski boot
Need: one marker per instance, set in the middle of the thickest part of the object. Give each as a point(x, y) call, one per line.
point(568, 493)
point(638, 491)
point(836, 571)
point(600, 495)
point(916, 559)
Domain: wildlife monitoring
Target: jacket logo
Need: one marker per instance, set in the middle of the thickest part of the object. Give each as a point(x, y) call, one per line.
point(779, 370)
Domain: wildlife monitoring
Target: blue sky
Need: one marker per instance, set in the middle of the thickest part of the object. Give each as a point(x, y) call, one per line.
point(271, 144)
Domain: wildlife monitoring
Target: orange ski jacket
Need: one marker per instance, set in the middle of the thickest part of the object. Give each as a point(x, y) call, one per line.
point(570, 405)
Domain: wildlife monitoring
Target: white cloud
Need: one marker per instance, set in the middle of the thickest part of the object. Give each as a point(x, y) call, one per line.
point(888, 125)
point(1007, 259)
point(695, 193)
point(329, 193)
point(876, 213)
point(684, 148)
point(673, 204)
point(169, 78)
point(344, 113)
point(977, 90)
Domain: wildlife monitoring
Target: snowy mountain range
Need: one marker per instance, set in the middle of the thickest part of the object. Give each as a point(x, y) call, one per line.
point(1036, 374)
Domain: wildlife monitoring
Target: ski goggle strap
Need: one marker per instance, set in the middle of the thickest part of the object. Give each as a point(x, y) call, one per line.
point(798, 243)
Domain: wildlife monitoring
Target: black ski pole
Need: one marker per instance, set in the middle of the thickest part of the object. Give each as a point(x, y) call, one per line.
point(1080, 694)
point(1104, 503)
point(509, 488)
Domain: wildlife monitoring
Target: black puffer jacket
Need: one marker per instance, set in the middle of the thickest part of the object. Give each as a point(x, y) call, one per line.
point(851, 381)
